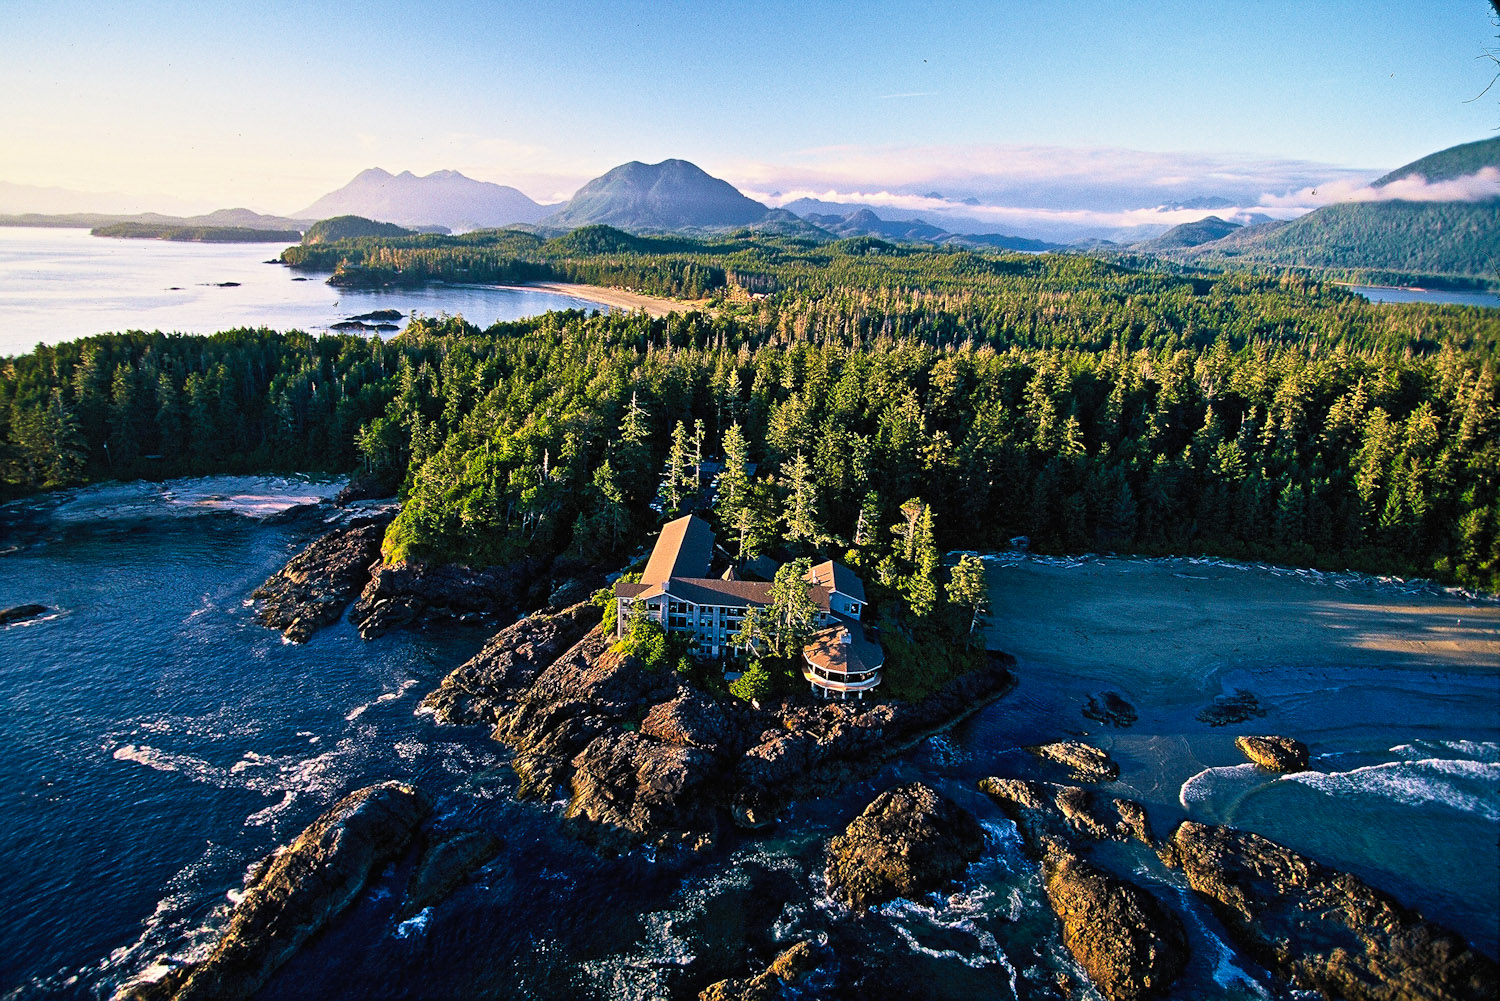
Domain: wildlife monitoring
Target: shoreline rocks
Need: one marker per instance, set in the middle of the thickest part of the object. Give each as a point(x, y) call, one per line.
point(297, 891)
point(1237, 707)
point(907, 842)
point(1045, 810)
point(1279, 754)
point(793, 969)
point(317, 584)
point(403, 594)
point(1322, 929)
point(443, 866)
point(22, 613)
point(1086, 762)
point(644, 757)
point(1131, 947)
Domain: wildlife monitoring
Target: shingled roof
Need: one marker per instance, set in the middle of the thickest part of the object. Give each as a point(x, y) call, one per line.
point(684, 550)
point(837, 577)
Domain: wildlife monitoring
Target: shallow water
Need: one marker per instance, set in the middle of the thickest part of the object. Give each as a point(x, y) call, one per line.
point(1436, 296)
point(159, 742)
point(60, 284)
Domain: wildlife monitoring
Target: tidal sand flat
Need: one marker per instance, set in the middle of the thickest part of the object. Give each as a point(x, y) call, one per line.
point(1394, 686)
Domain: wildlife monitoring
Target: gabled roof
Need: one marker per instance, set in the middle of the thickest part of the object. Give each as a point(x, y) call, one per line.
point(837, 577)
point(684, 550)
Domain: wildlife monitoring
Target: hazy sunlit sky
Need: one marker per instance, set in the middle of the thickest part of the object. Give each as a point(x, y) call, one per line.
point(271, 104)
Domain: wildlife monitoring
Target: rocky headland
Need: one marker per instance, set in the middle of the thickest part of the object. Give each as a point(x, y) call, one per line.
point(647, 757)
point(317, 584)
point(907, 842)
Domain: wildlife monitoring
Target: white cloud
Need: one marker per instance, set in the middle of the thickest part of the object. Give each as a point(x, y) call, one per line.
point(1481, 185)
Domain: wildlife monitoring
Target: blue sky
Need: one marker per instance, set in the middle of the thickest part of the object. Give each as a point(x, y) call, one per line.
point(271, 104)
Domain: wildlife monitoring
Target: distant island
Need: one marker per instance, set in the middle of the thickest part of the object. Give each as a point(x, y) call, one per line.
point(195, 234)
point(351, 227)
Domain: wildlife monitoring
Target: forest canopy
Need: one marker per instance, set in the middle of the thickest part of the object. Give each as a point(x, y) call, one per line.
point(1086, 405)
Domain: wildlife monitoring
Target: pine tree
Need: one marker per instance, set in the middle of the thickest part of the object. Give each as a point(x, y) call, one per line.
point(967, 587)
point(801, 517)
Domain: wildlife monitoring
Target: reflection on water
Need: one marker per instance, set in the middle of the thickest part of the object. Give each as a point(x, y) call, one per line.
point(60, 284)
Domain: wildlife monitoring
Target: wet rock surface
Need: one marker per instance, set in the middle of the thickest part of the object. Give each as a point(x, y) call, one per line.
point(793, 969)
point(317, 584)
point(411, 593)
point(1280, 754)
point(1130, 946)
point(484, 687)
point(1237, 707)
point(298, 890)
point(644, 758)
point(1086, 762)
point(1322, 929)
point(1111, 709)
point(1046, 810)
point(908, 841)
point(444, 864)
point(21, 613)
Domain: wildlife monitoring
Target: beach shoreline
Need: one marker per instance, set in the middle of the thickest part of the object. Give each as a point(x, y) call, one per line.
point(618, 298)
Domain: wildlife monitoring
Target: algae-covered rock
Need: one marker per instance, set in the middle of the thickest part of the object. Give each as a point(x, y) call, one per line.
point(1280, 754)
point(1323, 929)
point(908, 841)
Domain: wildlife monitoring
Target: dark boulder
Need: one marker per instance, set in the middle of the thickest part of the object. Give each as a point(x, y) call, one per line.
point(20, 613)
point(1279, 754)
point(445, 864)
point(298, 890)
point(908, 841)
point(1043, 810)
point(413, 593)
point(1236, 707)
point(317, 584)
point(1322, 929)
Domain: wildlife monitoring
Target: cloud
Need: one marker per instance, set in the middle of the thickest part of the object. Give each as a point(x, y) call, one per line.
point(1481, 185)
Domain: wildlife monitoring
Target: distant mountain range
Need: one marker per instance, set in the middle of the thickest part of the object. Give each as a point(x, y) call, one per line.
point(236, 218)
point(443, 198)
point(1395, 240)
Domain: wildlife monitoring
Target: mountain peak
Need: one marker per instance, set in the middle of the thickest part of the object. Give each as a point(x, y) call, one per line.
point(671, 195)
point(443, 198)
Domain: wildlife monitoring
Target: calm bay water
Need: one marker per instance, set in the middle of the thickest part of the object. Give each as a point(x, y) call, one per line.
point(158, 742)
point(60, 284)
point(1438, 297)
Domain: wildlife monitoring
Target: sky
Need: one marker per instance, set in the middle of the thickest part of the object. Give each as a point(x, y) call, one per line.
point(1104, 108)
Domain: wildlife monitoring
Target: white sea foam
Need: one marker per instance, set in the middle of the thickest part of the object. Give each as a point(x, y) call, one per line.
point(1201, 787)
point(1466, 786)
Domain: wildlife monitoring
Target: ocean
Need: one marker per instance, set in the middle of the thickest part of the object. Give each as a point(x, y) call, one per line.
point(158, 742)
point(61, 284)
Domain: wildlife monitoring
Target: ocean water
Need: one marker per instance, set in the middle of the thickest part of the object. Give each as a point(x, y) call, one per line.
point(60, 284)
point(158, 742)
point(1436, 296)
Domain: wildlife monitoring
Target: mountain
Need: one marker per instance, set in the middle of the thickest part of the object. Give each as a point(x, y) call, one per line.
point(864, 222)
point(443, 198)
point(1448, 164)
point(1191, 234)
point(348, 227)
point(1392, 241)
point(671, 195)
point(223, 218)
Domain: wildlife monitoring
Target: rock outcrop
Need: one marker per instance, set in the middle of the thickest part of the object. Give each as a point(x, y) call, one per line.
point(296, 891)
point(1111, 709)
point(20, 613)
point(1236, 707)
point(411, 592)
point(1279, 754)
point(792, 969)
point(908, 841)
point(643, 758)
point(1044, 810)
point(1130, 946)
point(488, 684)
point(317, 584)
point(1322, 929)
point(1085, 762)
point(445, 864)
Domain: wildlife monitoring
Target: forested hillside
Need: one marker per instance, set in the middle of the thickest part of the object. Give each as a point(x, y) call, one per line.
point(1083, 404)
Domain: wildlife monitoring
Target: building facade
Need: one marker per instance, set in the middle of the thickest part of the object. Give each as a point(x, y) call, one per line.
point(677, 590)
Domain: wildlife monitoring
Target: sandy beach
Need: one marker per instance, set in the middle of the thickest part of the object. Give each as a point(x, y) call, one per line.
point(653, 305)
point(1180, 617)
